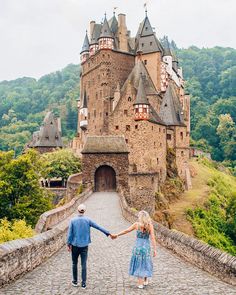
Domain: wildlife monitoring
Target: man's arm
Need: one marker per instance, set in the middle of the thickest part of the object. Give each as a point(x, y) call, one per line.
point(98, 227)
point(70, 235)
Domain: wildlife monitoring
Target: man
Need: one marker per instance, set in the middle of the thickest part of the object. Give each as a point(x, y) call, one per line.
point(78, 240)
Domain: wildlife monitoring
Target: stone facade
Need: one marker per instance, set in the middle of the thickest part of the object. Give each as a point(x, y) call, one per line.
point(133, 87)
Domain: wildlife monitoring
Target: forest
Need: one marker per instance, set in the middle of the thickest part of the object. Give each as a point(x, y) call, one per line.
point(210, 75)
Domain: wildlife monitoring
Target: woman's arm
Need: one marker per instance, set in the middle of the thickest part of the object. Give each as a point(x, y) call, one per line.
point(128, 230)
point(153, 239)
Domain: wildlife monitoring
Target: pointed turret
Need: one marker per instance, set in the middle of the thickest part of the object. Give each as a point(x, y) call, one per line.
point(166, 45)
point(83, 113)
point(84, 54)
point(141, 104)
point(106, 39)
point(146, 38)
point(171, 111)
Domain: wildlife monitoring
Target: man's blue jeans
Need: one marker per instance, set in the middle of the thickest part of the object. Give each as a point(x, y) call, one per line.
point(83, 253)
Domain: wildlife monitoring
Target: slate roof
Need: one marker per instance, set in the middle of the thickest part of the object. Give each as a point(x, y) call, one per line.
point(134, 76)
point(106, 31)
point(166, 46)
point(105, 144)
point(84, 103)
point(171, 110)
point(95, 34)
point(48, 135)
point(85, 46)
point(113, 24)
point(146, 39)
point(141, 97)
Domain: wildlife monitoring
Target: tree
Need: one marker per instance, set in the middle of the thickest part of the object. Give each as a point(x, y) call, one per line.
point(61, 164)
point(21, 196)
point(227, 133)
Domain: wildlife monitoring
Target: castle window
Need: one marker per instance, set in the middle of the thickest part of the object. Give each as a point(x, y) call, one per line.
point(159, 129)
point(106, 113)
point(96, 95)
point(157, 161)
point(164, 131)
point(181, 135)
point(126, 112)
point(152, 127)
point(51, 123)
point(47, 137)
point(88, 115)
point(94, 113)
point(142, 44)
point(129, 98)
point(127, 127)
point(150, 43)
point(160, 143)
point(168, 136)
point(126, 140)
point(182, 153)
point(136, 126)
point(85, 118)
point(117, 127)
point(134, 168)
point(154, 144)
point(145, 61)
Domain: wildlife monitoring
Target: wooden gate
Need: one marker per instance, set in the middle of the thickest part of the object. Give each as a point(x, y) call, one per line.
point(105, 179)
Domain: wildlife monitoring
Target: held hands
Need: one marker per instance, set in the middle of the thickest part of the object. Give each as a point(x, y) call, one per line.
point(113, 236)
point(69, 247)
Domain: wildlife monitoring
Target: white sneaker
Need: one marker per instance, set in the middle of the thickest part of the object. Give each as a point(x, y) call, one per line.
point(140, 286)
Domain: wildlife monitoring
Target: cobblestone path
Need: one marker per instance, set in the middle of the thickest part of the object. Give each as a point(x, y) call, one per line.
point(108, 265)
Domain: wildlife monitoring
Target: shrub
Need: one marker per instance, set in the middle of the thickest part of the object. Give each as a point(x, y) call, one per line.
point(17, 229)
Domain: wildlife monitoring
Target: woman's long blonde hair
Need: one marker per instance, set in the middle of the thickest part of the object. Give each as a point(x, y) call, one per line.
point(144, 220)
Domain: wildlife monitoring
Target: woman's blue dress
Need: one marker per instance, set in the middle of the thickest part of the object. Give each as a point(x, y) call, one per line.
point(141, 260)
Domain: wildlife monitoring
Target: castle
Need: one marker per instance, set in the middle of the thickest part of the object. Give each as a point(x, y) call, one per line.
point(132, 108)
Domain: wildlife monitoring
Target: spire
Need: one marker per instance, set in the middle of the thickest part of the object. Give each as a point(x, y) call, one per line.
point(166, 45)
point(141, 94)
point(84, 104)
point(85, 46)
point(105, 31)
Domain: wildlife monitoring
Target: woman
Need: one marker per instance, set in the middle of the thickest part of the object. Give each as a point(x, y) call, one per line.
point(141, 260)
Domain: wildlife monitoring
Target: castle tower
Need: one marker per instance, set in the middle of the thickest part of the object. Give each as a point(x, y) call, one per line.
point(106, 39)
point(152, 51)
point(122, 33)
point(141, 105)
point(84, 54)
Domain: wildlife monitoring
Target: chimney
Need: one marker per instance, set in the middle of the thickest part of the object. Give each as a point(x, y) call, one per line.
point(92, 23)
point(122, 32)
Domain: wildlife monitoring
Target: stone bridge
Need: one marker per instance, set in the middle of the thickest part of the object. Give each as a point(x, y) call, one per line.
point(109, 261)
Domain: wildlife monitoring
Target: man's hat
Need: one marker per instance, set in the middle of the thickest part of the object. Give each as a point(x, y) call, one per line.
point(81, 208)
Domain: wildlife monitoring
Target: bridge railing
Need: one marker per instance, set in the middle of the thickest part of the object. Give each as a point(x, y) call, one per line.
point(204, 256)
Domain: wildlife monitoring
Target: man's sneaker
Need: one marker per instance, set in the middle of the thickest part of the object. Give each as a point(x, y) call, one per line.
point(74, 284)
point(83, 285)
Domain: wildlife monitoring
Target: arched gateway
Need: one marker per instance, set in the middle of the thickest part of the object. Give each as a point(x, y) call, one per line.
point(105, 179)
point(105, 164)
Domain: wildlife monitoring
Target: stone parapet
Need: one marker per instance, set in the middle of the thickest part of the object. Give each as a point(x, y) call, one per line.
point(202, 255)
point(20, 256)
point(51, 218)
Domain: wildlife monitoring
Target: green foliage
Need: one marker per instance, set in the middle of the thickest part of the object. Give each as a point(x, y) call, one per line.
point(61, 163)
point(17, 229)
point(215, 222)
point(25, 101)
point(21, 196)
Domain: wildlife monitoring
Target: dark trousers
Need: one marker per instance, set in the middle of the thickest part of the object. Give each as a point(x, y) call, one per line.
point(83, 253)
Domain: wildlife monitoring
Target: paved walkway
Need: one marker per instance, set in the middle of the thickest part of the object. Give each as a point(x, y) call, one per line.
point(108, 265)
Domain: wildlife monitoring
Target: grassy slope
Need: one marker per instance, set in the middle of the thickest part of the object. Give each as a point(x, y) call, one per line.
point(197, 195)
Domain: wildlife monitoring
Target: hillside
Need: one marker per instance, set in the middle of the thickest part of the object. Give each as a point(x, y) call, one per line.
point(24, 102)
point(207, 211)
point(210, 75)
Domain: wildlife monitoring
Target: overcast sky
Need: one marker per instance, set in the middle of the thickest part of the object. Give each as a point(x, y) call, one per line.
point(41, 36)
